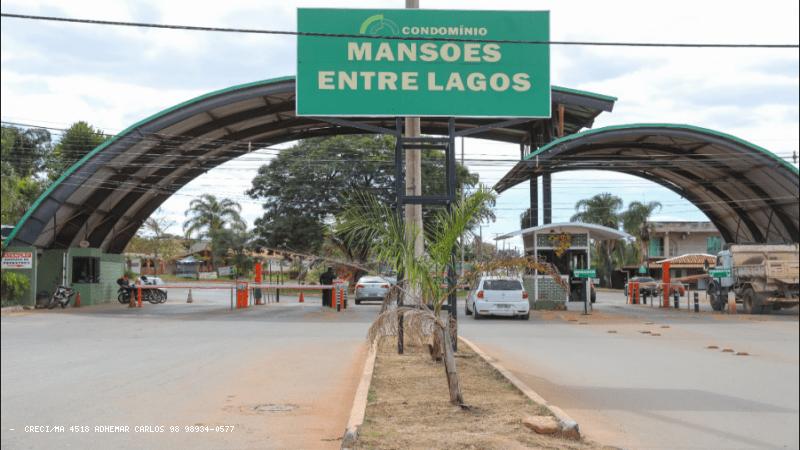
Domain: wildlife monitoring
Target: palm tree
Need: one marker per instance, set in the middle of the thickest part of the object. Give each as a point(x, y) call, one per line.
point(635, 222)
point(368, 220)
point(209, 216)
point(602, 209)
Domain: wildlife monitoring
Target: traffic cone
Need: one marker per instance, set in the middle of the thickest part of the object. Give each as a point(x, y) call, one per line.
point(301, 299)
point(189, 298)
point(78, 300)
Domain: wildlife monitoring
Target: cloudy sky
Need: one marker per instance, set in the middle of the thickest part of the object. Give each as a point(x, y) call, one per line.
point(55, 74)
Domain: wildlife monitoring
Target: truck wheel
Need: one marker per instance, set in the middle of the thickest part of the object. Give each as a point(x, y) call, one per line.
point(714, 297)
point(752, 304)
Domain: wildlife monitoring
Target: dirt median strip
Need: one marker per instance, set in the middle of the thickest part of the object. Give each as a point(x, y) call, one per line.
point(569, 427)
point(408, 406)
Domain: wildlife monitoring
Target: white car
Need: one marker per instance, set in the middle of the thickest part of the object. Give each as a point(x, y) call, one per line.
point(498, 296)
point(370, 287)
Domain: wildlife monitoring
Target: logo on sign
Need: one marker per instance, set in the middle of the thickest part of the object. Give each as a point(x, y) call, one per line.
point(377, 25)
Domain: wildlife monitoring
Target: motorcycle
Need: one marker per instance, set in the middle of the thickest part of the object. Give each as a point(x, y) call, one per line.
point(157, 295)
point(151, 295)
point(124, 294)
point(61, 296)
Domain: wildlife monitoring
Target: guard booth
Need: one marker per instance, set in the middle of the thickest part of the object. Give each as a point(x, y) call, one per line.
point(568, 247)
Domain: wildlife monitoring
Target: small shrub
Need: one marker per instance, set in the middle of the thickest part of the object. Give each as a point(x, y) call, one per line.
point(13, 287)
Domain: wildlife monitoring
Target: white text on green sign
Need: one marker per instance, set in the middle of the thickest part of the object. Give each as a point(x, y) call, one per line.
point(408, 74)
point(585, 273)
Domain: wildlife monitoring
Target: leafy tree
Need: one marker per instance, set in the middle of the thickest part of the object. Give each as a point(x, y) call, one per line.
point(634, 222)
point(23, 156)
point(25, 150)
point(232, 245)
point(525, 219)
point(368, 219)
point(78, 140)
point(602, 209)
point(305, 185)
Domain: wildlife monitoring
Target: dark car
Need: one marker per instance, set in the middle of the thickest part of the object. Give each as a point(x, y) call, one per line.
point(647, 285)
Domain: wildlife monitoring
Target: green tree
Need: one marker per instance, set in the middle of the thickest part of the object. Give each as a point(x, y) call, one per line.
point(368, 219)
point(22, 164)
point(232, 245)
point(307, 184)
point(635, 222)
point(78, 140)
point(602, 209)
point(25, 150)
point(209, 217)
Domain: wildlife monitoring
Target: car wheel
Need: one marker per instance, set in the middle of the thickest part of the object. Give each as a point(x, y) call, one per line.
point(467, 312)
point(525, 316)
point(358, 302)
point(475, 313)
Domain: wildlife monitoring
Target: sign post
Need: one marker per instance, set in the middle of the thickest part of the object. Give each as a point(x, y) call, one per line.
point(586, 274)
point(412, 62)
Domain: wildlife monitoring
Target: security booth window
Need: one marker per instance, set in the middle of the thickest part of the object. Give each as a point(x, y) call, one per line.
point(85, 269)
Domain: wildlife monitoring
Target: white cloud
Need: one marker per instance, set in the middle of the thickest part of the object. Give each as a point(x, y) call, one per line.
point(55, 74)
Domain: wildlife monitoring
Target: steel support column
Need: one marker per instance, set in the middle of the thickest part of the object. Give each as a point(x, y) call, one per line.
point(533, 212)
point(547, 199)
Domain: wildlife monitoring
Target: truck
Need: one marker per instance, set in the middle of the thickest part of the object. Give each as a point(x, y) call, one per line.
point(761, 276)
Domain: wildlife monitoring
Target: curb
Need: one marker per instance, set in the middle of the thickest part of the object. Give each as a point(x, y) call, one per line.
point(359, 408)
point(569, 427)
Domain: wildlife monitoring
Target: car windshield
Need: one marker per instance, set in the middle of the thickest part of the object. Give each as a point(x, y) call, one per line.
point(502, 285)
point(645, 280)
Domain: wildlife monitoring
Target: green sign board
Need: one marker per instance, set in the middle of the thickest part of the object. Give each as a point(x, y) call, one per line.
point(585, 273)
point(412, 62)
point(719, 273)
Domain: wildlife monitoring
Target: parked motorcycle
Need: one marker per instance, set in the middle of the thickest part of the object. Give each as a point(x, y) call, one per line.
point(150, 295)
point(124, 295)
point(61, 296)
point(157, 295)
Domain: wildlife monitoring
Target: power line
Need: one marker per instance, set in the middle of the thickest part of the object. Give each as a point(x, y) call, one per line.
point(394, 38)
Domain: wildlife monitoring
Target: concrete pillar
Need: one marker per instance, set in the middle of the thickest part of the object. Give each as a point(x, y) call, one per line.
point(547, 199)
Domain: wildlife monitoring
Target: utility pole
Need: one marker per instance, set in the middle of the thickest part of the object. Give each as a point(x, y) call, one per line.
point(462, 200)
point(413, 213)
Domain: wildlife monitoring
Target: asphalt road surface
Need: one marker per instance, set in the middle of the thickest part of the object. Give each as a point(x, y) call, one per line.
point(660, 389)
point(284, 375)
point(281, 375)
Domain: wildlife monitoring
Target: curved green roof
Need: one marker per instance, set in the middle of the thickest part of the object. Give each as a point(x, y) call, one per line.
point(60, 195)
point(635, 126)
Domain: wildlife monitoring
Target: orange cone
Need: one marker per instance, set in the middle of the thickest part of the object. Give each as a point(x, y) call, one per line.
point(78, 300)
point(301, 299)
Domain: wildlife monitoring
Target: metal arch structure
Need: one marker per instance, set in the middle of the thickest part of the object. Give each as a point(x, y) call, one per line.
point(105, 197)
point(749, 193)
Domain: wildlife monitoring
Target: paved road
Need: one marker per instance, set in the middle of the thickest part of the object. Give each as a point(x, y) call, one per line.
point(283, 375)
point(637, 390)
